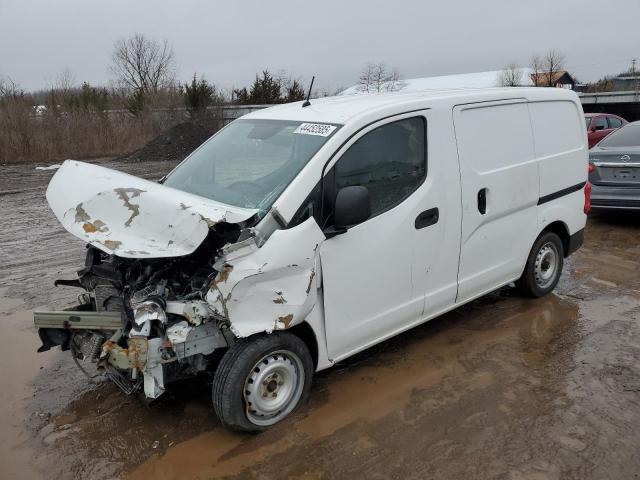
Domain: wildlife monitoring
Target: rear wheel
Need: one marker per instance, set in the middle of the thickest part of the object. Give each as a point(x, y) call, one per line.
point(261, 380)
point(544, 266)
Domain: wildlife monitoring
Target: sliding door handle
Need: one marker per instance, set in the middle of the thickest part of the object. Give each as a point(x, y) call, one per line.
point(482, 201)
point(427, 218)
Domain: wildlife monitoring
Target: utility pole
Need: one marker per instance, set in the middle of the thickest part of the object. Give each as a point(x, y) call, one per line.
point(636, 81)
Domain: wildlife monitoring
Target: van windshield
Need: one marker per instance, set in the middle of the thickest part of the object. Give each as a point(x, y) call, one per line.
point(250, 162)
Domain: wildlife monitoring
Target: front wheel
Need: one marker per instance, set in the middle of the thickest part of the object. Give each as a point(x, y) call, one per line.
point(544, 266)
point(261, 380)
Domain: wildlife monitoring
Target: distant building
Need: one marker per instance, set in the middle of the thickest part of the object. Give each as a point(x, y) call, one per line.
point(626, 82)
point(559, 79)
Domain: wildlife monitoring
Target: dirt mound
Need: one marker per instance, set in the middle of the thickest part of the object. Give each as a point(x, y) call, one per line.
point(173, 145)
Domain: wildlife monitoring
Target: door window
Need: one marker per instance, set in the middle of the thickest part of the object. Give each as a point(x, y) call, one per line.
point(391, 161)
point(615, 122)
point(601, 123)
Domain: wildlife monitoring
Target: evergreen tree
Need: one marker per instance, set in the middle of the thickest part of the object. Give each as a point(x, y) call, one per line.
point(295, 92)
point(198, 95)
point(241, 96)
point(265, 90)
point(137, 102)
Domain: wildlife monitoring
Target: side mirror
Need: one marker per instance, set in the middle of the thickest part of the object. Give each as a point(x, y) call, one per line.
point(353, 206)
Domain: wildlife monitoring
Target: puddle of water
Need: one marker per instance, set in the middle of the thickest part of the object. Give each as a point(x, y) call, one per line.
point(383, 384)
point(18, 345)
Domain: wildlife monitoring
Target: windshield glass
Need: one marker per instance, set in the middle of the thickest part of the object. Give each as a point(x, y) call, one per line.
point(627, 136)
point(587, 121)
point(250, 162)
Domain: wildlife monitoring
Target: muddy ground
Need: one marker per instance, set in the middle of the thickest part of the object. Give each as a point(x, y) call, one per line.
point(502, 388)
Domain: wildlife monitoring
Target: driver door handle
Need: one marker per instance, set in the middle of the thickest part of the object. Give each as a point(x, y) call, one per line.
point(427, 218)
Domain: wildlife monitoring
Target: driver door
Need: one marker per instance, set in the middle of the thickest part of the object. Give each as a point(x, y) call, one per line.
point(374, 275)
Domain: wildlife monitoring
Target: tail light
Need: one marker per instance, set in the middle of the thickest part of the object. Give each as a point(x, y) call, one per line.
point(592, 167)
point(587, 197)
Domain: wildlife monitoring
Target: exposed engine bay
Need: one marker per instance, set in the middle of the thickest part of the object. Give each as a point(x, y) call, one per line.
point(166, 329)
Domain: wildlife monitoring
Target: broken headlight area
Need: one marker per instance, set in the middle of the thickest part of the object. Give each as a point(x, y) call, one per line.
point(145, 312)
point(142, 322)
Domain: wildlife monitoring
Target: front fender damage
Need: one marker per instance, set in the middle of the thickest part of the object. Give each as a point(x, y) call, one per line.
point(273, 287)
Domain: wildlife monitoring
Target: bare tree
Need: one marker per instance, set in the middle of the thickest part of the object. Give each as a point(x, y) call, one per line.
point(545, 69)
point(61, 91)
point(553, 63)
point(366, 78)
point(379, 77)
point(293, 89)
point(284, 78)
point(376, 78)
point(9, 89)
point(536, 70)
point(65, 81)
point(143, 65)
point(510, 76)
point(393, 81)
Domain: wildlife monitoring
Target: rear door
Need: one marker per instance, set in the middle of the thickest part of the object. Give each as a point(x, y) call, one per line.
point(500, 191)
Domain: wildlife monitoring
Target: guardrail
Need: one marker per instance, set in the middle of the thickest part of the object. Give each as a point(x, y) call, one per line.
point(229, 112)
point(609, 97)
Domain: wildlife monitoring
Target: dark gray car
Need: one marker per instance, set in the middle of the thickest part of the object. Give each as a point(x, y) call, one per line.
point(614, 170)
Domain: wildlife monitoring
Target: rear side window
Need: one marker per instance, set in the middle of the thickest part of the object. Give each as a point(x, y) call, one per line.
point(391, 161)
point(557, 127)
point(628, 136)
point(615, 122)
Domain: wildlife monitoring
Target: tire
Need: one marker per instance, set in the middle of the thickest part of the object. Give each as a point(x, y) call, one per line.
point(253, 372)
point(544, 266)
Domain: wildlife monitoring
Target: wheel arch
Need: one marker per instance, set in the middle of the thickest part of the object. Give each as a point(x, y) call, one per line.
point(562, 230)
point(305, 332)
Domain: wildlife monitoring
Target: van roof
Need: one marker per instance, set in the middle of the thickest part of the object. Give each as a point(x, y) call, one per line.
point(343, 108)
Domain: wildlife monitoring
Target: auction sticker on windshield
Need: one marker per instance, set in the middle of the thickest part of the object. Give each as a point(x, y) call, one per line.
point(320, 129)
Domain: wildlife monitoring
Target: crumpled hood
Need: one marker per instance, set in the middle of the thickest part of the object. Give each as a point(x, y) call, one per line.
point(131, 217)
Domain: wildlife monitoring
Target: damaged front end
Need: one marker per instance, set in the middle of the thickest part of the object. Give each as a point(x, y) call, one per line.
point(171, 279)
point(141, 322)
point(142, 319)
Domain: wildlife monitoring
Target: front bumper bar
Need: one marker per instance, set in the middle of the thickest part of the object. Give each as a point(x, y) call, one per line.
point(54, 328)
point(78, 320)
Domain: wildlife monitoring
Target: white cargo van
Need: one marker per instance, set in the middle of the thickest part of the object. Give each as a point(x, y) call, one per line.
point(298, 236)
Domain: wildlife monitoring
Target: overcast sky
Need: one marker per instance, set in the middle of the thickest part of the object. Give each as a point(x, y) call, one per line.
point(229, 41)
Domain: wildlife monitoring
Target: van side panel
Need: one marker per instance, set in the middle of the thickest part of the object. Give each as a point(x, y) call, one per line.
point(560, 145)
point(496, 155)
